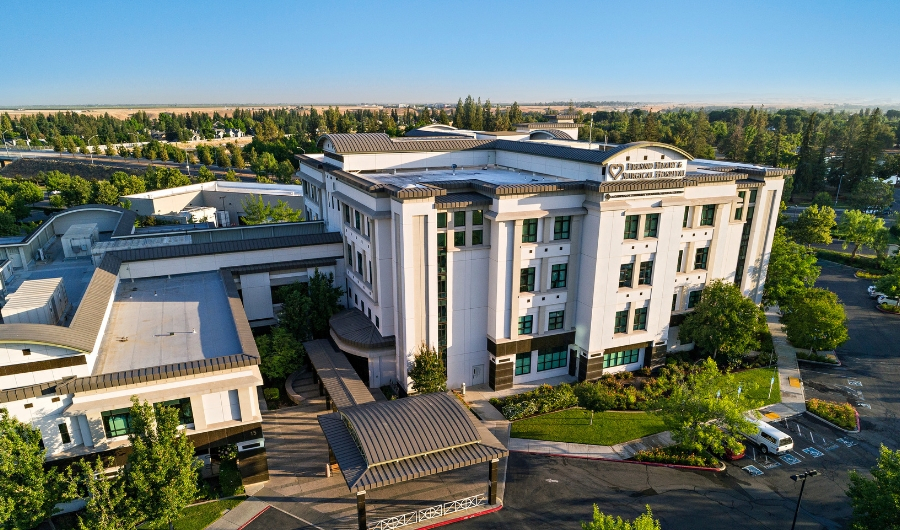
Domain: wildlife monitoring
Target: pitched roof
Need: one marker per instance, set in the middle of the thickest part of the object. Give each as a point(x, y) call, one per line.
point(352, 326)
point(344, 387)
point(382, 143)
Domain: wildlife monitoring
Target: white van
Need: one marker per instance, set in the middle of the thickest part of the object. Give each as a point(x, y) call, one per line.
point(769, 439)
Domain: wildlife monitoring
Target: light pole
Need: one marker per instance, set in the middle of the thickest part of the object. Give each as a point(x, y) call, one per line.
point(91, 151)
point(3, 136)
point(802, 477)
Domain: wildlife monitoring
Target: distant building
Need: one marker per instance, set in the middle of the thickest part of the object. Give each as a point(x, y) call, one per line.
point(562, 123)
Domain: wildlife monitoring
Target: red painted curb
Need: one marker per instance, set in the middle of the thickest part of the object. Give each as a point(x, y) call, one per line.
point(655, 464)
point(254, 518)
point(858, 426)
point(463, 518)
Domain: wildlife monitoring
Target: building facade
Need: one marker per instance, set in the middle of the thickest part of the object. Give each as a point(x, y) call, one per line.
point(540, 257)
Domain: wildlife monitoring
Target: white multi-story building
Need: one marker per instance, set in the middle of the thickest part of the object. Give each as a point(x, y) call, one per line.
point(529, 259)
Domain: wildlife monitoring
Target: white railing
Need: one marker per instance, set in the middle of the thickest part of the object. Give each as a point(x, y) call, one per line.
point(432, 512)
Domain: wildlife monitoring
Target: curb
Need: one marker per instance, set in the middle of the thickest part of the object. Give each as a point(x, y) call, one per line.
point(462, 518)
point(600, 458)
point(886, 312)
point(288, 386)
point(838, 427)
point(254, 517)
point(819, 363)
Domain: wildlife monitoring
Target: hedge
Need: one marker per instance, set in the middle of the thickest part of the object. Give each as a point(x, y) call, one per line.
point(677, 455)
point(841, 414)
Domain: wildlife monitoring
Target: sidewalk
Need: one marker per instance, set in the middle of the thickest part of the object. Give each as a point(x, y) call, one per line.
point(622, 451)
point(239, 515)
point(793, 400)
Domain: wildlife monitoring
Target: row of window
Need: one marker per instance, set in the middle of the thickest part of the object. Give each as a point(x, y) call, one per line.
point(707, 215)
point(118, 422)
point(459, 218)
point(555, 321)
point(558, 277)
point(621, 357)
point(459, 238)
point(561, 229)
point(549, 360)
point(693, 298)
point(651, 225)
point(640, 320)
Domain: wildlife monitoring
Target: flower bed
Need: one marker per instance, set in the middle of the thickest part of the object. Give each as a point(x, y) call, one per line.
point(541, 400)
point(816, 357)
point(676, 455)
point(841, 414)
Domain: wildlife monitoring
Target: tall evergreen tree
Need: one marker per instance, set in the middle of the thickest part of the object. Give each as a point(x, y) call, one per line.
point(488, 124)
point(459, 116)
point(515, 114)
point(698, 141)
point(806, 163)
point(633, 131)
point(651, 128)
point(501, 120)
point(736, 143)
point(477, 116)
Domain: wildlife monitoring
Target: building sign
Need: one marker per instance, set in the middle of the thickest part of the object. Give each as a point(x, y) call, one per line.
point(647, 170)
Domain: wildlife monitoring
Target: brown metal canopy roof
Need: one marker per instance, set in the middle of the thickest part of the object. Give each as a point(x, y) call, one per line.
point(393, 441)
point(353, 327)
point(344, 387)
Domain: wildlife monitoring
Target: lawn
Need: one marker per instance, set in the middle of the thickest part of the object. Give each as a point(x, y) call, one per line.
point(756, 384)
point(199, 516)
point(573, 425)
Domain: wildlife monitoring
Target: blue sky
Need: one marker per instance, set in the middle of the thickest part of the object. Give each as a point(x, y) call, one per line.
point(166, 52)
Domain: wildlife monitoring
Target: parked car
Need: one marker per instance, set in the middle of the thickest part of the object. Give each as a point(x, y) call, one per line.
point(887, 301)
point(769, 439)
point(873, 294)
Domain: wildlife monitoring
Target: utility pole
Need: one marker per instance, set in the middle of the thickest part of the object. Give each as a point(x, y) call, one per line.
point(802, 477)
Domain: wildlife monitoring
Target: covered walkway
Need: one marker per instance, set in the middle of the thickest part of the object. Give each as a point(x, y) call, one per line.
point(337, 379)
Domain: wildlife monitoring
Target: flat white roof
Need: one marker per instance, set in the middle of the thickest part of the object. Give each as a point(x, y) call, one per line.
point(225, 186)
point(491, 175)
point(80, 231)
point(31, 294)
point(158, 321)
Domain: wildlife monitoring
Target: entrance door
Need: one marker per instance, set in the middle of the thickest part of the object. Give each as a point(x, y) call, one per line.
point(478, 374)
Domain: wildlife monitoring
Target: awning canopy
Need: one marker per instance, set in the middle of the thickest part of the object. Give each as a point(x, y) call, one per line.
point(344, 387)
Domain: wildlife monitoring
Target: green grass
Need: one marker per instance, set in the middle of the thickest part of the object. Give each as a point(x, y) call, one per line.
point(756, 384)
point(573, 425)
point(200, 516)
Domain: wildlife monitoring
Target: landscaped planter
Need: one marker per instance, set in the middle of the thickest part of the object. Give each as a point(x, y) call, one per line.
point(886, 312)
point(828, 421)
point(732, 456)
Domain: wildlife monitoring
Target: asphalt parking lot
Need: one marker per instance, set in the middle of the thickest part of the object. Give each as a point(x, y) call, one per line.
point(546, 492)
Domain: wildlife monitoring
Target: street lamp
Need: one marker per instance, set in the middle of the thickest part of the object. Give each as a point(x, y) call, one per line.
point(3, 136)
point(802, 477)
point(91, 151)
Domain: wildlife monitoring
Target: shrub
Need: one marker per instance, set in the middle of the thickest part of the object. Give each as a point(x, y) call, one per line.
point(868, 275)
point(230, 481)
point(541, 400)
point(676, 455)
point(890, 308)
point(841, 414)
point(806, 356)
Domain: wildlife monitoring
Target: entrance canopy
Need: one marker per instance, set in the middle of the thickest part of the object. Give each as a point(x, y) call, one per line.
point(341, 383)
point(383, 443)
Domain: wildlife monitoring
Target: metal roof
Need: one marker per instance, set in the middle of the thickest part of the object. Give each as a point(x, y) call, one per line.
point(353, 327)
point(382, 143)
point(555, 133)
point(344, 387)
point(393, 441)
point(31, 294)
point(462, 200)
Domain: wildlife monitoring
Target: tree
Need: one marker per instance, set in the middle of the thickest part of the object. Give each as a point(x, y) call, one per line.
point(279, 353)
point(889, 284)
point(814, 319)
point(161, 178)
point(231, 176)
point(807, 175)
point(814, 225)
point(285, 171)
point(427, 371)
point(257, 211)
point(128, 184)
point(601, 521)
point(28, 492)
point(724, 321)
point(859, 229)
point(872, 195)
point(792, 269)
point(161, 471)
point(307, 307)
point(706, 410)
point(77, 192)
point(874, 500)
point(823, 198)
point(237, 159)
point(267, 130)
point(204, 155)
point(265, 164)
point(204, 174)
point(651, 128)
point(283, 213)
point(108, 506)
point(104, 192)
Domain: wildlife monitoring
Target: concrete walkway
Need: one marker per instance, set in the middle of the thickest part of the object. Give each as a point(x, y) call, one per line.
point(793, 400)
point(621, 451)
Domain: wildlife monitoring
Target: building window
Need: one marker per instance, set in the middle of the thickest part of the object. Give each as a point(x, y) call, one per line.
point(626, 272)
point(687, 211)
point(753, 196)
point(693, 298)
point(640, 319)
point(555, 320)
point(459, 219)
point(477, 237)
point(529, 231)
point(523, 363)
point(701, 259)
point(526, 280)
point(477, 217)
point(359, 263)
point(64, 433)
point(346, 214)
point(442, 220)
point(631, 226)
point(621, 322)
point(620, 358)
point(116, 422)
point(651, 225)
point(680, 257)
point(707, 215)
point(550, 360)
point(525, 324)
point(561, 227)
point(349, 254)
point(739, 211)
point(645, 274)
point(674, 301)
point(357, 222)
point(459, 238)
point(183, 405)
point(370, 271)
point(377, 322)
point(442, 239)
point(558, 276)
